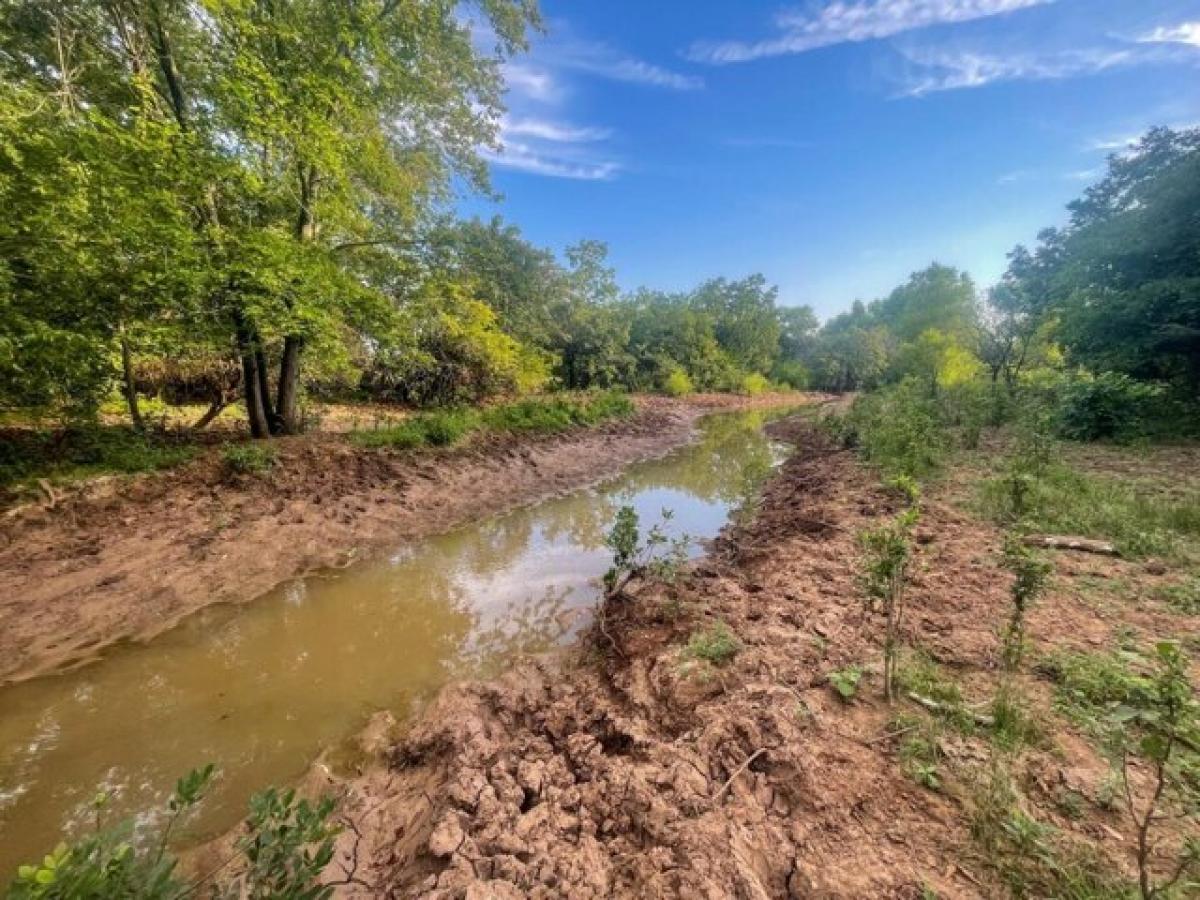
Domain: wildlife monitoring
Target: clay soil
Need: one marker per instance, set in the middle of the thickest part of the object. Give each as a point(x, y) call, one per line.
point(128, 558)
point(632, 769)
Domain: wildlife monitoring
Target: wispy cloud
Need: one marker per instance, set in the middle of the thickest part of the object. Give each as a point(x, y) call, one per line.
point(939, 69)
point(550, 130)
point(604, 61)
point(531, 81)
point(845, 21)
point(1183, 33)
point(525, 158)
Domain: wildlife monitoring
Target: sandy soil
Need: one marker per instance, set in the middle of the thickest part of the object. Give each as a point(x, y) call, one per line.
point(127, 558)
point(630, 770)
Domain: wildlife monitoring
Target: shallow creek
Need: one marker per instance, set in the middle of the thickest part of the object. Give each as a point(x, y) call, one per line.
point(262, 689)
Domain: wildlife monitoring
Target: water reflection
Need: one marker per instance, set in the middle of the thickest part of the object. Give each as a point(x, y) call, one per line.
point(261, 689)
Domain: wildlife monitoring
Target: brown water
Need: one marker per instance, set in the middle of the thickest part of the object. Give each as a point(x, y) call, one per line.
point(262, 689)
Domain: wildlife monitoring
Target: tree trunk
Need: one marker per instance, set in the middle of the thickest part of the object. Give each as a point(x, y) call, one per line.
point(287, 417)
point(130, 389)
point(252, 380)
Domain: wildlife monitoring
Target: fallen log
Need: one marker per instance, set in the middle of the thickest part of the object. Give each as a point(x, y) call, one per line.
point(1064, 542)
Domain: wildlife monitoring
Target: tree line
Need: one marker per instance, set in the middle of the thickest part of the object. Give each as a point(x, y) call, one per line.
point(1113, 293)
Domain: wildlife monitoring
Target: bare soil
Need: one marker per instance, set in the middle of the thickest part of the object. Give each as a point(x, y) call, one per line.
point(628, 769)
point(126, 558)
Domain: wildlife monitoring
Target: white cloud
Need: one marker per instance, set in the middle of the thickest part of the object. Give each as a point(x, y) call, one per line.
point(531, 81)
point(1085, 174)
point(603, 61)
point(1183, 33)
point(947, 70)
point(844, 21)
point(548, 130)
point(524, 158)
point(1109, 145)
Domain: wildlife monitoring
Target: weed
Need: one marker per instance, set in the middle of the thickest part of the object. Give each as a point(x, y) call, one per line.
point(845, 682)
point(1090, 685)
point(716, 645)
point(248, 459)
point(82, 451)
point(920, 751)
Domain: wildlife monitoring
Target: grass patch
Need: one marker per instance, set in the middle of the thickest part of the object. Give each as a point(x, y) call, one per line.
point(1183, 597)
point(1089, 686)
point(534, 415)
point(845, 682)
point(248, 459)
point(81, 451)
point(920, 751)
point(918, 674)
point(1065, 501)
point(716, 645)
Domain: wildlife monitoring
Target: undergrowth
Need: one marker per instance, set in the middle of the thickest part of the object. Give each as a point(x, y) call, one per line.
point(80, 451)
point(542, 415)
point(716, 645)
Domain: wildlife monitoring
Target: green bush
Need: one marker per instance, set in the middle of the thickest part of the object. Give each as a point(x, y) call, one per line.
point(83, 450)
point(677, 383)
point(248, 459)
point(898, 429)
point(755, 384)
point(1108, 406)
point(791, 373)
point(286, 847)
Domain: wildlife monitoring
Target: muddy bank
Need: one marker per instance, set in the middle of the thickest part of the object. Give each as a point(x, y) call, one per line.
point(128, 558)
point(631, 769)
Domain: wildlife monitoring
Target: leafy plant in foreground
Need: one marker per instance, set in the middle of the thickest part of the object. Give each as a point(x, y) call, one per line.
point(659, 556)
point(888, 553)
point(286, 848)
point(1161, 728)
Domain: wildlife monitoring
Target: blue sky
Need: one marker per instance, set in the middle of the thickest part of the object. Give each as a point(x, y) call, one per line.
point(835, 145)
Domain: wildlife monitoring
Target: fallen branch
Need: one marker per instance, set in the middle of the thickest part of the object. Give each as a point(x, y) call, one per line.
point(738, 771)
point(933, 706)
point(1063, 542)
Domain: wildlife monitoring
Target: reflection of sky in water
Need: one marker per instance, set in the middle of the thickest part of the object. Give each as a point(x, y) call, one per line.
point(261, 688)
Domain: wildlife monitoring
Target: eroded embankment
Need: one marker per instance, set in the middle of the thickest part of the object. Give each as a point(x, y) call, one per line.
point(131, 559)
point(634, 771)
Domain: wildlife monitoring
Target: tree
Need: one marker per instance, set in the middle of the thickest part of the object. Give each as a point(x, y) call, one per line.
point(300, 132)
point(937, 297)
point(745, 321)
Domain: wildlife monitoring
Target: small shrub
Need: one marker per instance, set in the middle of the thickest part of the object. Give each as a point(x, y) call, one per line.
point(716, 645)
point(888, 551)
point(286, 848)
point(1183, 597)
point(755, 384)
point(1161, 726)
point(248, 459)
point(659, 556)
point(1030, 573)
point(446, 427)
point(845, 682)
point(676, 383)
point(898, 429)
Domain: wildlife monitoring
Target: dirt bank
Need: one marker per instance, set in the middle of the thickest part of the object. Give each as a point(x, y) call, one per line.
point(632, 770)
point(127, 558)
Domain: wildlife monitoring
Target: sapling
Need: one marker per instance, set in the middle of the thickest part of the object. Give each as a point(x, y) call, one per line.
point(659, 556)
point(1030, 573)
point(888, 553)
point(1160, 724)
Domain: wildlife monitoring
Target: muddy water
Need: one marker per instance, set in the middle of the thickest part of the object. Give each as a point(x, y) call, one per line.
point(262, 689)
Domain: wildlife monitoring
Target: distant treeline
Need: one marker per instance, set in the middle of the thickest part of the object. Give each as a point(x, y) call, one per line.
point(1114, 295)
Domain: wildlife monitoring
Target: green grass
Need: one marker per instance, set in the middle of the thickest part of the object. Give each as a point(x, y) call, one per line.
point(716, 644)
point(1088, 686)
point(87, 450)
point(1065, 501)
point(248, 459)
point(534, 415)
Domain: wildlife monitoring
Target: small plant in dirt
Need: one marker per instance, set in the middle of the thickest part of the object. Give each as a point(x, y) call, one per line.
point(248, 459)
point(658, 556)
point(1030, 574)
point(845, 682)
point(920, 749)
point(920, 677)
point(1183, 597)
point(887, 555)
point(716, 644)
point(285, 849)
point(1158, 732)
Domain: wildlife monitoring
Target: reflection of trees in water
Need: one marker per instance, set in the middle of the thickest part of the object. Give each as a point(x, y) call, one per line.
point(526, 625)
